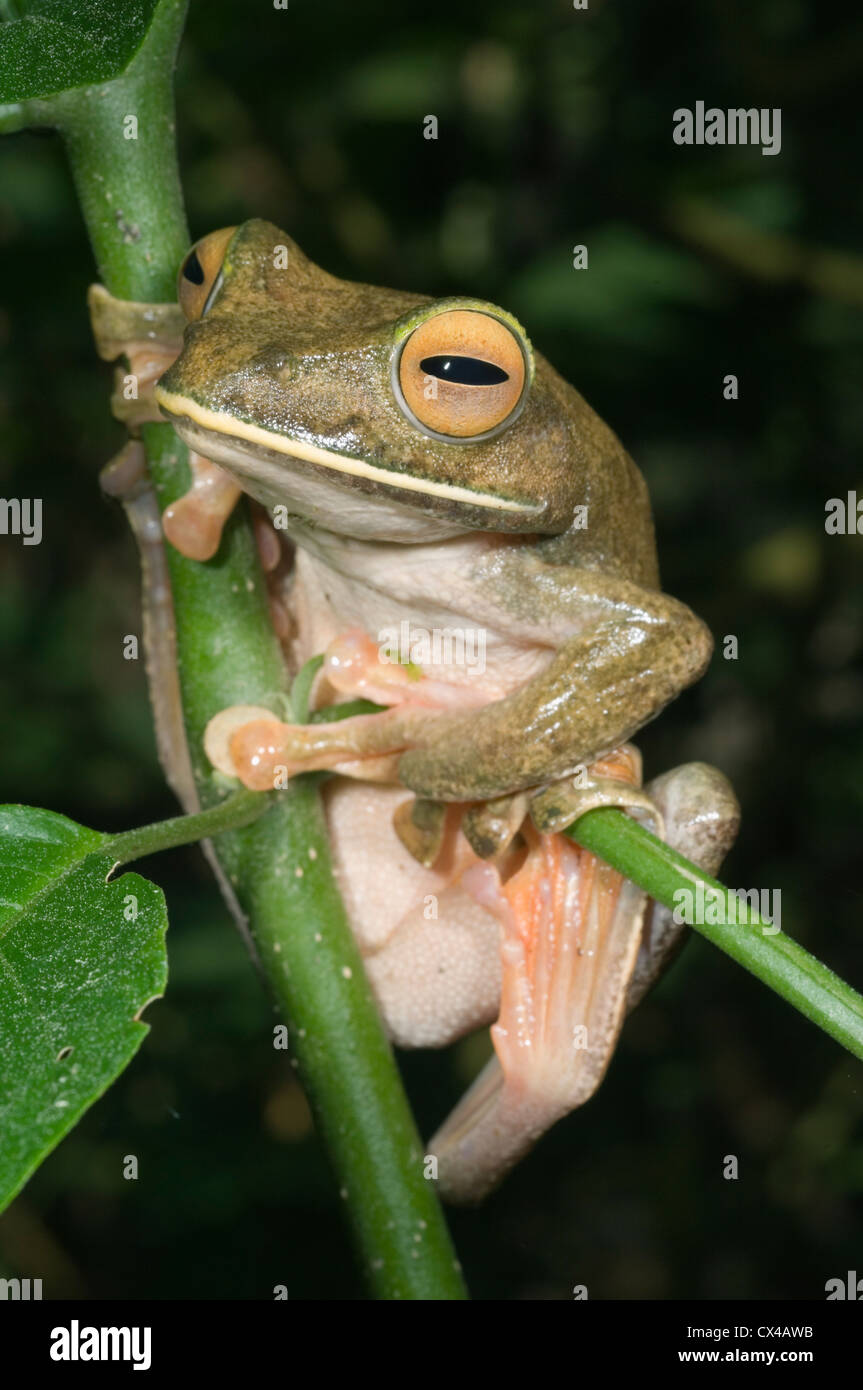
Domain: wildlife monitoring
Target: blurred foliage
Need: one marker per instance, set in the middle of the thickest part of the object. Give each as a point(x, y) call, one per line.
point(555, 130)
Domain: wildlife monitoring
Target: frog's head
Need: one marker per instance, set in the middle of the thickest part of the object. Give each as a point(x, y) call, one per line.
point(372, 412)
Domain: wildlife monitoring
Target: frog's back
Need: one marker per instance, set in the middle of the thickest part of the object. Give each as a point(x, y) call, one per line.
point(612, 528)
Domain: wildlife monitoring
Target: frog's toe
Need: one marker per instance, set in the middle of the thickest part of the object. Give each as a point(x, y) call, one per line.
point(192, 529)
point(421, 826)
point(242, 742)
point(194, 523)
point(614, 780)
point(491, 827)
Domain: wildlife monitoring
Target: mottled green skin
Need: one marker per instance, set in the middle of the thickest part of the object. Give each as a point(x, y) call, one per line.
point(309, 357)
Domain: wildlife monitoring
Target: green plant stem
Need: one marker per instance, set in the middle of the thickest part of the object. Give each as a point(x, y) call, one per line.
point(234, 813)
point(279, 868)
point(129, 189)
point(741, 933)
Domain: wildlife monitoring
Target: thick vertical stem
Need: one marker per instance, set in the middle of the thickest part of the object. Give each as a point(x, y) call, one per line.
point(279, 867)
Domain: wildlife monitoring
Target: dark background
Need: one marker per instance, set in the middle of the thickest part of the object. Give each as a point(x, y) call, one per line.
point(555, 129)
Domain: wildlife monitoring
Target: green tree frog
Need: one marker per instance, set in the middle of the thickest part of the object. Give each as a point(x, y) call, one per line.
point(439, 480)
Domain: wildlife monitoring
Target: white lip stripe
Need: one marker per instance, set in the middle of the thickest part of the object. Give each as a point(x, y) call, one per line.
point(216, 422)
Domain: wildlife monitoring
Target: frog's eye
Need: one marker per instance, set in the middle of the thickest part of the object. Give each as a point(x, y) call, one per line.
point(461, 374)
point(200, 271)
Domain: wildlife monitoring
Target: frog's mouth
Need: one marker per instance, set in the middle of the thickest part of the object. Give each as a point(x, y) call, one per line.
point(258, 457)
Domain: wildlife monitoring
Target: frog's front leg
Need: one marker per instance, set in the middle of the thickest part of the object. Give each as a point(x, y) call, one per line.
point(580, 947)
point(249, 742)
point(623, 653)
point(253, 744)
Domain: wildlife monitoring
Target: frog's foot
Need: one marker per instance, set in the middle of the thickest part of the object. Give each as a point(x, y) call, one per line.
point(421, 827)
point(194, 523)
point(270, 549)
point(571, 932)
point(561, 895)
point(249, 742)
point(611, 781)
point(491, 827)
point(353, 668)
point(702, 817)
point(149, 336)
point(356, 666)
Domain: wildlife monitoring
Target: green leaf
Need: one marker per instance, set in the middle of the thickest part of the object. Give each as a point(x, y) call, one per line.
point(80, 957)
point(56, 45)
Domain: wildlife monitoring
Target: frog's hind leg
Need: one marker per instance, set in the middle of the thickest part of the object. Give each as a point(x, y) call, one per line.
point(571, 929)
point(127, 479)
point(580, 947)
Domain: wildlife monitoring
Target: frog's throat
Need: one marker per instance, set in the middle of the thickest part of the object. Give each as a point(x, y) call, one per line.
point(228, 426)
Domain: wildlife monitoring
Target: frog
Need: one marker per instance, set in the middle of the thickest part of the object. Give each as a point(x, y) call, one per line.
point(430, 473)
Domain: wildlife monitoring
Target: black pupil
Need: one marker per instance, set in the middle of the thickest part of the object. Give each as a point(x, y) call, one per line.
point(193, 270)
point(467, 371)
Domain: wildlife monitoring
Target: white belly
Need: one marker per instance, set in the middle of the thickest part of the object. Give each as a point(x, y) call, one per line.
point(419, 595)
